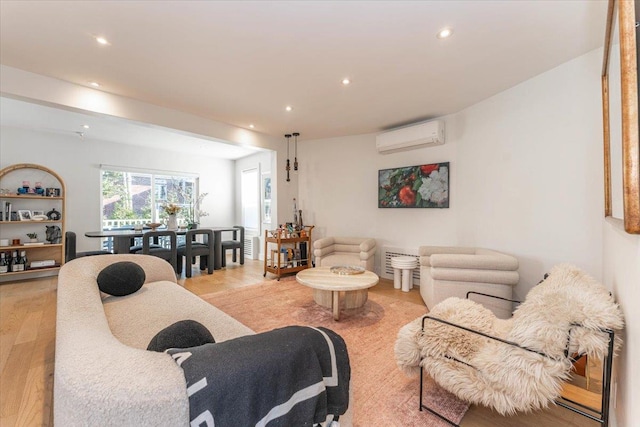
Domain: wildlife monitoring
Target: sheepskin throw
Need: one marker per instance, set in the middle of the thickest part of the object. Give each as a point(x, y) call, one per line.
point(505, 377)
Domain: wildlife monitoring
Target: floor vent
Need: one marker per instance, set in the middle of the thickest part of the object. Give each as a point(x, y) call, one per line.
point(252, 247)
point(389, 252)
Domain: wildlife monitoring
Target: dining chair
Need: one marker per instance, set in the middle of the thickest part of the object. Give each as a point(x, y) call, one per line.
point(136, 244)
point(237, 244)
point(169, 254)
point(191, 248)
point(70, 248)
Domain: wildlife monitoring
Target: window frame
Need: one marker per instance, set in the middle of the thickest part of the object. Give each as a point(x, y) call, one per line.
point(154, 175)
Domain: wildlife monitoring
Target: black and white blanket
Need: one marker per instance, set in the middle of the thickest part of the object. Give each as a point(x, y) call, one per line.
point(293, 376)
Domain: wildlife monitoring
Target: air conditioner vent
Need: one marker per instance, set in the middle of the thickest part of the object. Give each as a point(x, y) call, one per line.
point(410, 137)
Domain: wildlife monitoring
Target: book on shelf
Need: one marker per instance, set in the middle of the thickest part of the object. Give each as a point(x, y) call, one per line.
point(33, 243)
point(43, 263)
point(6, 211)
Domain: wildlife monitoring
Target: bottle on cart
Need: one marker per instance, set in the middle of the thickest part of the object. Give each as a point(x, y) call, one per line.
point(13, 264)
point(4, 263)
point(295, 213)
point(23, 260)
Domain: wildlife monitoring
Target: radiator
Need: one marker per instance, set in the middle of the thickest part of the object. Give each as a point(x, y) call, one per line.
point(389, 252)
point(252, 247)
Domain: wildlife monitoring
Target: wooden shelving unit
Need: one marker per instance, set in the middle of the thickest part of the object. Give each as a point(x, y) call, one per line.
point(11, 179)
point(280, 263)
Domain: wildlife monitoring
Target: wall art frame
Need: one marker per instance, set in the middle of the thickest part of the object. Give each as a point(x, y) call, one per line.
point(421, 186)
point(24, 215)
point(620, 131)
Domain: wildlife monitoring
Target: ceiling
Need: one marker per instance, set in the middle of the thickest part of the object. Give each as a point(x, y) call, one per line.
point(242, 62)
point(26, 115)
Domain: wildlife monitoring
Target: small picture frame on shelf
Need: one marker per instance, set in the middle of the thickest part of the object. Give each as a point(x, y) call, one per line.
point(36, 213)
point(24, 215)
point(52, 192)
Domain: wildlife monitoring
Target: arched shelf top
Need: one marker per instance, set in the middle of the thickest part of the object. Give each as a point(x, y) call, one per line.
point(19, 166)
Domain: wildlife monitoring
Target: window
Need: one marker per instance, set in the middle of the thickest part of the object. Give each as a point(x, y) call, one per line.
point(132, 197)
point(250, 190)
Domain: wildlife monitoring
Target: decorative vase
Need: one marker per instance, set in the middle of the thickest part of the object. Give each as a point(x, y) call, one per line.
point(172, 224)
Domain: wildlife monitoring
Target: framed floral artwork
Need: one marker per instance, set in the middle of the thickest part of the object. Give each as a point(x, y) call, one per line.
point(423, 186)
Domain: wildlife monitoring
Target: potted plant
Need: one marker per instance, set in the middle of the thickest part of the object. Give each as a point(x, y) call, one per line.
point(194, 213)
point(33, 237)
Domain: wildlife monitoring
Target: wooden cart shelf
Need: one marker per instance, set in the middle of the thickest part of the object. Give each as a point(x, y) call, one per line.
point(295, 257)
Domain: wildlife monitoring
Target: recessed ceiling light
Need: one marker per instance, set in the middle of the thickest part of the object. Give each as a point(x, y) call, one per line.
point(288, 108)
point(94, 84)
point(346, 81)
point(85, 126)
point(102, 40)
point(444, 33)
point(251, 126)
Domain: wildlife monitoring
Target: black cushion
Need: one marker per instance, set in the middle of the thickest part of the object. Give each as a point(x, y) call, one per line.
point(121, 278)
point(182, 334)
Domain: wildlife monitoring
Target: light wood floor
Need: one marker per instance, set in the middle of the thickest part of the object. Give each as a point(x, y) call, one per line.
point(27, 344)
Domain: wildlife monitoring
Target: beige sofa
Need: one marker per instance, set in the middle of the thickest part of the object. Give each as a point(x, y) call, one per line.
point(453, 271)
point(331, 251)
point(104, 376)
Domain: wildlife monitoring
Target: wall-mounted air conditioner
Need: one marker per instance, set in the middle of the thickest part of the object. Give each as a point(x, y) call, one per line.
point(410, 137)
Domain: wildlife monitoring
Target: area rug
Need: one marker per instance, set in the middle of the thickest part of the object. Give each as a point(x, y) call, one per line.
point(383, 395)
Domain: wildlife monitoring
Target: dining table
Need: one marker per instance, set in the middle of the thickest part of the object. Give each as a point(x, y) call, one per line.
point(122, 239)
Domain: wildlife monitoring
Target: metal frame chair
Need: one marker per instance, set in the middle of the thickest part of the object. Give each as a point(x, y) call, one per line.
point(602, 415)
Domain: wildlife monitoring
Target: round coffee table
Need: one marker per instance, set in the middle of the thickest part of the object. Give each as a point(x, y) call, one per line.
point(327, 287)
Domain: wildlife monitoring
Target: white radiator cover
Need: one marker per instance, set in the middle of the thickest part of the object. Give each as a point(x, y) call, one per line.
point(389, 252)
point(252, 247)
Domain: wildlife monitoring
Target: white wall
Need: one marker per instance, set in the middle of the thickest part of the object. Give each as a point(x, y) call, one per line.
point(530, 171)
point(78, 162)
point(621, 265)
point(338, 188)
point(525, 178)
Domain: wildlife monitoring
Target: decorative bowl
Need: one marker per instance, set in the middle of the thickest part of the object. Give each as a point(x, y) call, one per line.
point(347, 269)
point(153, 225)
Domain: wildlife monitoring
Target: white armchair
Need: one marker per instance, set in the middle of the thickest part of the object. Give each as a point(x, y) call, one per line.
point(331, 251)
point(453, 271)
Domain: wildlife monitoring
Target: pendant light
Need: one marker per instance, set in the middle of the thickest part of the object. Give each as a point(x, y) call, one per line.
point(295, 145)
point(288, 163)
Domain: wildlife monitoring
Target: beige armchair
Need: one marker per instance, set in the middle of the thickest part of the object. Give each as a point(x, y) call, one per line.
point(453, 271)
point(330, 251)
